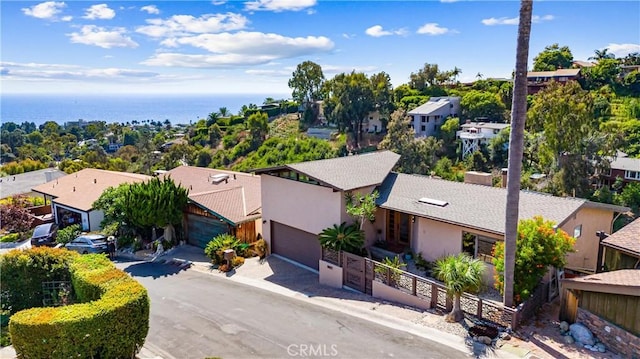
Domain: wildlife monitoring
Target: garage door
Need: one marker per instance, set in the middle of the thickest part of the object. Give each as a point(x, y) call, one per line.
point(203, 229)
point(297, 245)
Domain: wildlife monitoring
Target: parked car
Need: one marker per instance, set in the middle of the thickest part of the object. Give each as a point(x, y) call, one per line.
point(44, 235)
point(88, 243)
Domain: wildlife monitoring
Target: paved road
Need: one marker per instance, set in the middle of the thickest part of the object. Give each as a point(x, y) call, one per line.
point(196, 315)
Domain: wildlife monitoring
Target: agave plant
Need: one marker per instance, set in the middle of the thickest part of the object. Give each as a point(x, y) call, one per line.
point(342, 238)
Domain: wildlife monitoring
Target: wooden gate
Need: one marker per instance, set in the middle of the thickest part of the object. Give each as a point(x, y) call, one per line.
point(354, 271)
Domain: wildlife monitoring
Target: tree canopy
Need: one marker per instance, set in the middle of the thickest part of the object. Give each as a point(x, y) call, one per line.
point(306, 82)
point(553, 57)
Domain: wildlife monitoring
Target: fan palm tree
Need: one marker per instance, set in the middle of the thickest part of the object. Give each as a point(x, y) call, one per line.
point(342, 238)
point(459, 273)
point(516, 148)
point(602, 54)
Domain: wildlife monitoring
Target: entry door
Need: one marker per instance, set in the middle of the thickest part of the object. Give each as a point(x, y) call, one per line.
point(398, 230)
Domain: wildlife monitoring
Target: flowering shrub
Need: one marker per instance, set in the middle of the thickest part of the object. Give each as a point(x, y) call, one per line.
point(539, 246)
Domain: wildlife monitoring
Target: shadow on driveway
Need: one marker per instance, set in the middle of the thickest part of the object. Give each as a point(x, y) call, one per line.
point(155, 270)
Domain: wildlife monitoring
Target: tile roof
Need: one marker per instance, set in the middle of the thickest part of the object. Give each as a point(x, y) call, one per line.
point(80, 189)
point(626, 239)
point(236, 199)
point(469, 205)
point(351, 172)
point(24, 182)
point(430, 106)
point(626, 164)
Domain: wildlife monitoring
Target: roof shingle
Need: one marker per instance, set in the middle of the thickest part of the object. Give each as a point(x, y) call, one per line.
point(627, 238)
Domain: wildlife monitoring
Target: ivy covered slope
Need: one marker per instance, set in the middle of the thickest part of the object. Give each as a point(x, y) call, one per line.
point(109, 320)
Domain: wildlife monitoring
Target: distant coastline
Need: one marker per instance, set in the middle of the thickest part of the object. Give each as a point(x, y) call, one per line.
point(39, 108)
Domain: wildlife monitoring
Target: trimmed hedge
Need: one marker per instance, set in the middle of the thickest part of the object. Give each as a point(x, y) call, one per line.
point(111, 321)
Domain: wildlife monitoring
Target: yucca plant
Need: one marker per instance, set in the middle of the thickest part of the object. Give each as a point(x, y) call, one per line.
point(342, 238)
point(459, 273)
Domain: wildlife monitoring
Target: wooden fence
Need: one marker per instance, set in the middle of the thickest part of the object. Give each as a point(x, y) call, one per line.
point(433, 291)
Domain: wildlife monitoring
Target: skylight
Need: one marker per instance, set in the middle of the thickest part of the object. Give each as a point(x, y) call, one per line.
point(219, 178)
point(435, 202)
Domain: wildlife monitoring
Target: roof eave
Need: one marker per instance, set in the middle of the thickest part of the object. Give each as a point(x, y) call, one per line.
point(213, 213)
point(601, 287)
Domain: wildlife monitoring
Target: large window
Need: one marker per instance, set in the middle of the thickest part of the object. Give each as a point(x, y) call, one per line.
point(478, 246)
point(634, 175)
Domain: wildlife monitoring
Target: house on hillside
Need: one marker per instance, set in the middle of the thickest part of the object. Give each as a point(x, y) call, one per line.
point(219, 202)
point(299, 200)
point(621, 250)
point(427, 118)
point(72, 196)
point(474, 134)
point(578, 64)
point(537, 80)
point(623, 167)
point(429, 216)
point(372, 123)
point(627, 69)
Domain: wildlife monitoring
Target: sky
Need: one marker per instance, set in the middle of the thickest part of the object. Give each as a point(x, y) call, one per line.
point(239, 47)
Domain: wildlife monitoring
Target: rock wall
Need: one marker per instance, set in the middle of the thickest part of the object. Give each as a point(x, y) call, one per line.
point(615, 338)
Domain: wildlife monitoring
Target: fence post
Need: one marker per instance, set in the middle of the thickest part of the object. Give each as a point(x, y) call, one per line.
point(479, 310)
point(434, 295)
point(414, 289)
point(388, 276)
point(514, 320)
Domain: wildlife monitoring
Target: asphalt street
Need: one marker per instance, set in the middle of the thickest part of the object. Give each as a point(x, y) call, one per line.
point(196, 315)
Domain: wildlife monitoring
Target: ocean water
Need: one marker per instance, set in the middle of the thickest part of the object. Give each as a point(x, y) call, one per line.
point(119, 108)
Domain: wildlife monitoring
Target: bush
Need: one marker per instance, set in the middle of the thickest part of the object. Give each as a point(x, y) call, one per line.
point(237, 261)
point(11, 237)
point(216, 247)
point(111, 321)
point(69, 233)
point(260, 248)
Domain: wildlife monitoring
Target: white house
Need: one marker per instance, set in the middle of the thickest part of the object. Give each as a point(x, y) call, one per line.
point(473, 134)
point(429, 117)
point(372, 123)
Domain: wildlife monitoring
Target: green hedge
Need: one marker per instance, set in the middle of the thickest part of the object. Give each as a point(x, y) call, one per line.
point(111, 321)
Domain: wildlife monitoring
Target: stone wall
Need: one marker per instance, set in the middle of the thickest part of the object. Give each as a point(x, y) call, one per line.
point(615, 338)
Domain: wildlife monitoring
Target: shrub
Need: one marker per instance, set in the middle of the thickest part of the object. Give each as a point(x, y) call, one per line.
point(237, 261)
point(216, 247)
point(69, 233)
point(260, 248)
point(342, 238)
point(111, 321)
point(11, 237)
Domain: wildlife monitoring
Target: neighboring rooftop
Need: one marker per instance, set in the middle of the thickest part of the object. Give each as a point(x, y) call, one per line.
point(345, 173)
point(624, 281)
point(579, 63)
point(80, 189)
point(471, 205)
point(232, 195)
point(556, 73)
point(626, 164)
point(430, 106)
point(488, 125)
point(23, 183)
point(626, 239)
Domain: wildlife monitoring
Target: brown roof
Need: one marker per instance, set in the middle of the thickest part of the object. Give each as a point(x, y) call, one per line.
point(79, 190)
point(624, 281)
point(626, 239)
point(236, 197)
point(556, 73)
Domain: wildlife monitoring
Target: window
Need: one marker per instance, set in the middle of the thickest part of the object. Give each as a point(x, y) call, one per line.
point(478, 246)
point(634, 175)
point(423, 118)
point(423, 128)
point(577, 232)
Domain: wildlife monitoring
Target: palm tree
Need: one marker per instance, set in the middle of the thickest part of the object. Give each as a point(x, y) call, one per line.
point(342, 238)
point(602, 54)
point(223, 111)
point(460, 273)
point(516, 148)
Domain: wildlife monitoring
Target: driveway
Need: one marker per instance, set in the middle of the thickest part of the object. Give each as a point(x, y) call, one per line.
point(198, 315)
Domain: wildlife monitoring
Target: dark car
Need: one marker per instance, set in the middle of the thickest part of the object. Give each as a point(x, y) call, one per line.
point(88, 243)
point(44, 235)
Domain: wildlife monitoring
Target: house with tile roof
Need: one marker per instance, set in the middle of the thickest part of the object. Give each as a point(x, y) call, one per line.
point(72, 196)
point(430, 116)
point(220, 202)
point(426, 215)
point(621, 250)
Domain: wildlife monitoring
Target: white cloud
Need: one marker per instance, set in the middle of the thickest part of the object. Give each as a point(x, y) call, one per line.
point(337, 69)
point(47, 10)
point(218, 2)
point(433, 29)
point(622, 50)
point(279, 5)
point(180, 25)
point(269, 73)
point(492, 21)
point(71, 72)
point(238, 49)
point(101, 37)
point(99, 11)
point(348, 36)
point(150, 9)
point(378, 31)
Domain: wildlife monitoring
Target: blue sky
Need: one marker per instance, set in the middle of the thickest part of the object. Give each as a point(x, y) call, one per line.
point(231, 47)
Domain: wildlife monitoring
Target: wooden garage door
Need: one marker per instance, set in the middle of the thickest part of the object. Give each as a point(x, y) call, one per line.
point(203, 229)
point(297, 245)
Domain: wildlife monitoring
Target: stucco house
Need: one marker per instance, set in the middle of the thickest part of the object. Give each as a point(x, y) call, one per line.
point(219, 202)
point(72, 196)
point(372, 123)
point(628, 169)
point(427, 118)
point(429, 216)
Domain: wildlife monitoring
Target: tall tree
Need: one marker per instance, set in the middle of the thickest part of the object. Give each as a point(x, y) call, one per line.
point(482, 104)
point(553, 57)
point(306, 82)
point(382, 93)
point(602, 54)
point(516, 148)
